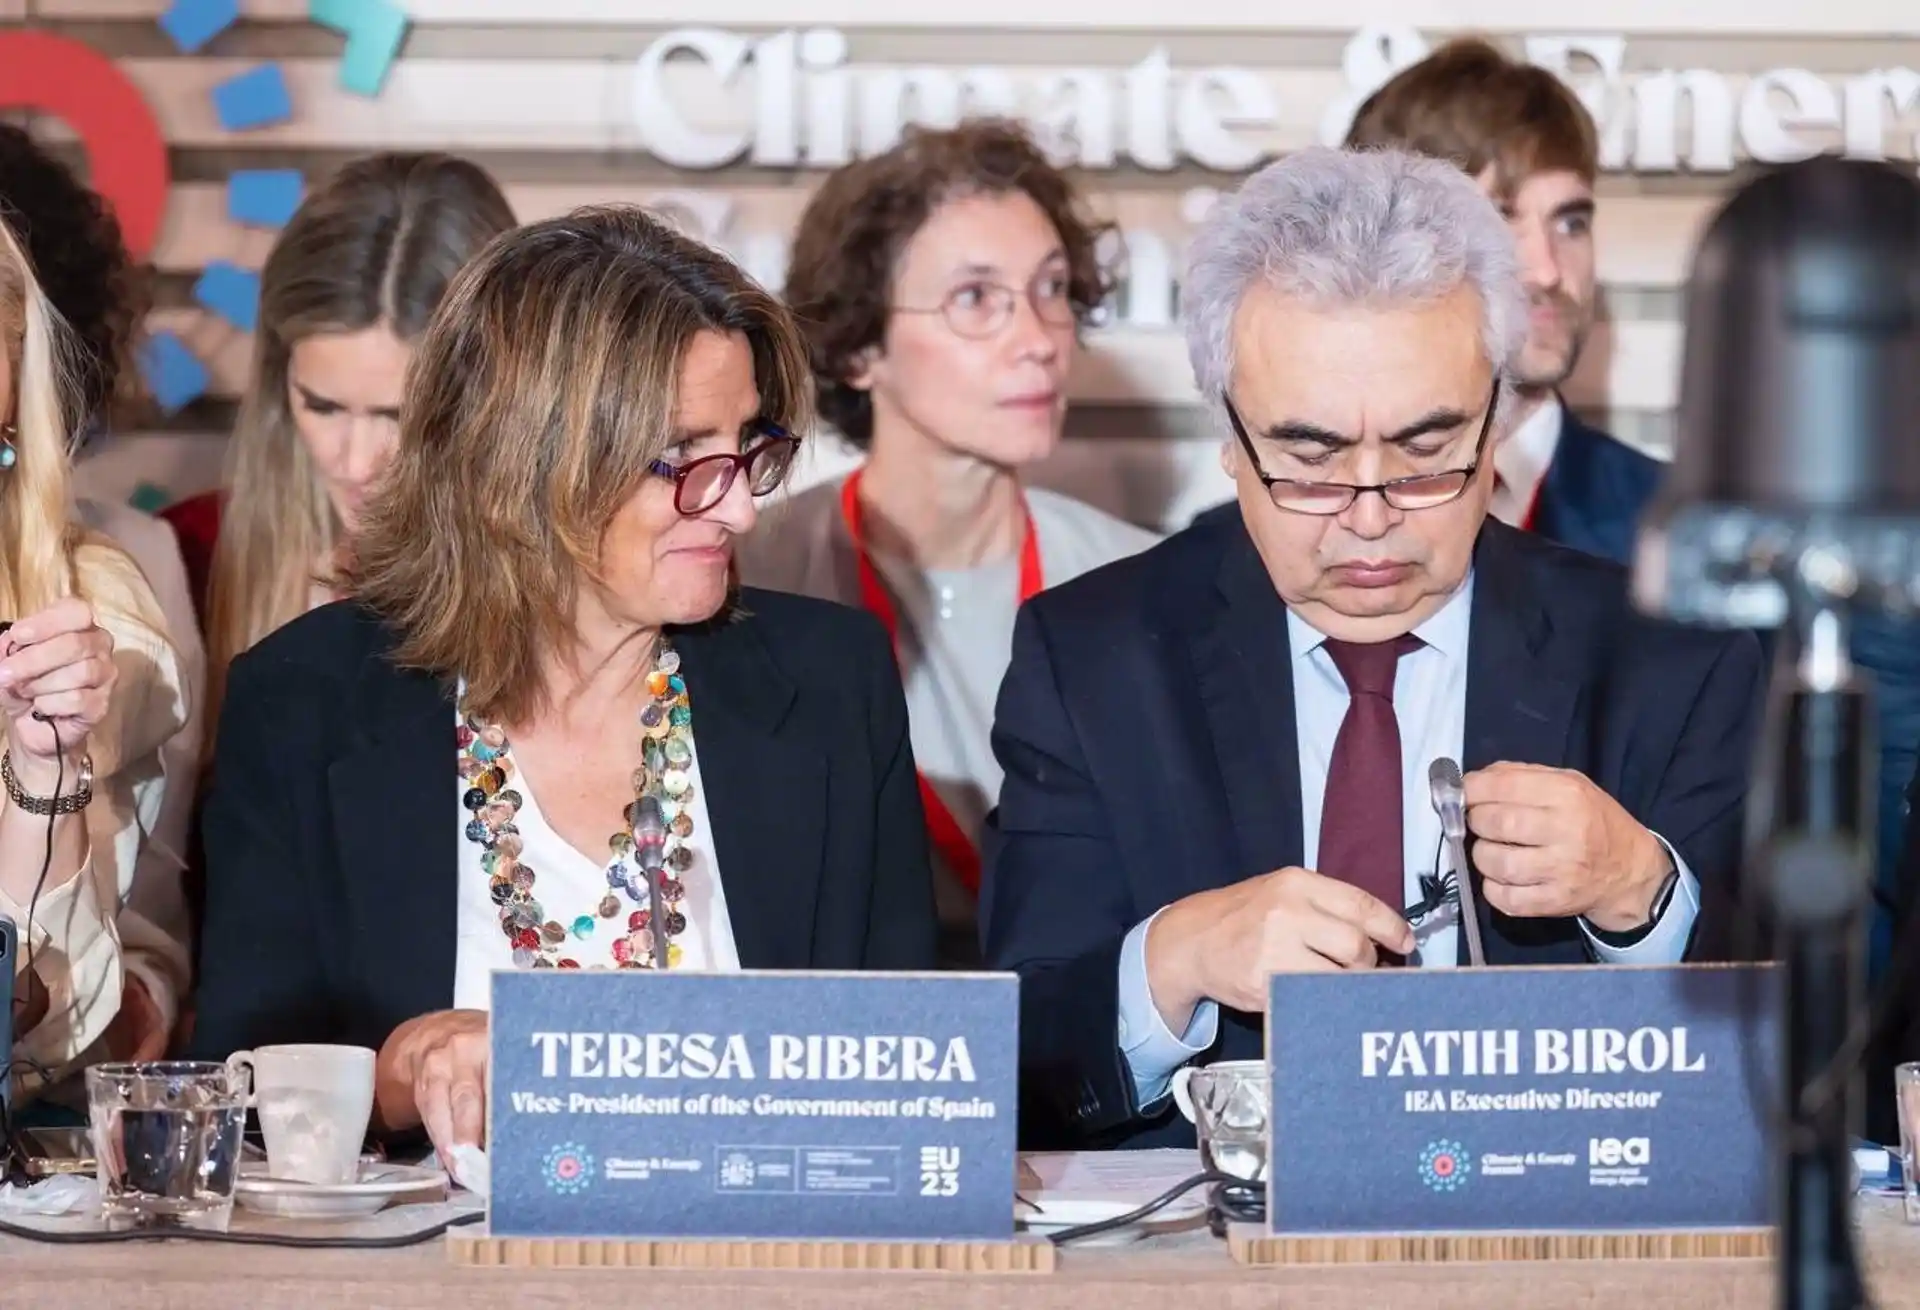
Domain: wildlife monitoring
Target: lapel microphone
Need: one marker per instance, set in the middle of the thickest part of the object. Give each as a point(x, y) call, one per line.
point(1449, 791)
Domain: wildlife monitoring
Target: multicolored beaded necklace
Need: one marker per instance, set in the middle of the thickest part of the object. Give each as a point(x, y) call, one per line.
point(652, 849)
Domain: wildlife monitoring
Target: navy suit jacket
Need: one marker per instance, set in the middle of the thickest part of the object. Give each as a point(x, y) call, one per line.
point(1594, 491)
point(1146, 727)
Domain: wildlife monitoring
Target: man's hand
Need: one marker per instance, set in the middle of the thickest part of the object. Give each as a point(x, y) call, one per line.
point(1553, 845)
point(1222, 945)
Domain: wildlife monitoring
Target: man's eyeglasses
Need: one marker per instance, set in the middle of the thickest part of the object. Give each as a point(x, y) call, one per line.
point(978, 310)
point(700, 484)
point(1410, 494)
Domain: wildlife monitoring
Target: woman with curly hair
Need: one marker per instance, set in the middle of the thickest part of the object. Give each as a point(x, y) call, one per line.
point(73, 243)
point(943, 286)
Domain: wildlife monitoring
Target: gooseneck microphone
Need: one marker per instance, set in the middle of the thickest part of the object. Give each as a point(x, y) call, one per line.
point(1793, 502)
point(1449, 791)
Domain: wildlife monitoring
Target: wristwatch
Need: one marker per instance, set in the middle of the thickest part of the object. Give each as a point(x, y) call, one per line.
point(47, 806)
point(1634, 936)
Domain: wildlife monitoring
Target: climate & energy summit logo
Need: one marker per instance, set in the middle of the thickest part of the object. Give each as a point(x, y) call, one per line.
point(568, 1169)
point(1444, 1166)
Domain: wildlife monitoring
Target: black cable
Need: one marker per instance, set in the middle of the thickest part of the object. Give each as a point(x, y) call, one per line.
point(8, 1145)
point(1157, 1204)
point(241, 1239)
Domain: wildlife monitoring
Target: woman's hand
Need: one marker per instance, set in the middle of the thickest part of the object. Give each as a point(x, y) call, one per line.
point(433, 1072)
point(56, 664)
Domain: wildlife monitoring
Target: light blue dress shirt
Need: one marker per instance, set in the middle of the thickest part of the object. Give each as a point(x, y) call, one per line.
point(1430, 701)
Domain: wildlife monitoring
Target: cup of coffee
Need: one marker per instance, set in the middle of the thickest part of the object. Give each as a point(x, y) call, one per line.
point(314, 1103)
point(1227, 1105)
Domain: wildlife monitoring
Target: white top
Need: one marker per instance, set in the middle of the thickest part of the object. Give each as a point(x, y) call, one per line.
point(956, 635)
point(1522, 460)
point(569, 884)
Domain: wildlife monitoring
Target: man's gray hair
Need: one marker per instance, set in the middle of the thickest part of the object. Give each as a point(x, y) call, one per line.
point(1342, 227)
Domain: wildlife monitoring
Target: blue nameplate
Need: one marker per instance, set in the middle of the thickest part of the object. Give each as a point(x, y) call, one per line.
point(1603, 1098)
point(869, 1107)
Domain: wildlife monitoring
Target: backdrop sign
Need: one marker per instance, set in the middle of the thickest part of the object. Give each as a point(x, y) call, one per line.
point(1606, 1098)
point(797, 100)
point(754, 1105)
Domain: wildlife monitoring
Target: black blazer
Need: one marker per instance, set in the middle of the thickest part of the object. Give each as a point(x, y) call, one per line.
point(333, 852)
point(1146, 727)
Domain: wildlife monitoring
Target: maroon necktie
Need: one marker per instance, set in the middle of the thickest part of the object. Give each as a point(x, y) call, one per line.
point(1362, 825)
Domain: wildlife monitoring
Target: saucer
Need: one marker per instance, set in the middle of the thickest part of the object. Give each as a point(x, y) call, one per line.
point(378, 1185)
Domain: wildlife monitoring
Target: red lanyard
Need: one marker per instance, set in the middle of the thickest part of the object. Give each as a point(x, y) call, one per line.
point(955, 846)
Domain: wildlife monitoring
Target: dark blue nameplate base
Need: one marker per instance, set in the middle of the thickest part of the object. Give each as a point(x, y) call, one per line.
point(1609, 1098)
point(861, 1107)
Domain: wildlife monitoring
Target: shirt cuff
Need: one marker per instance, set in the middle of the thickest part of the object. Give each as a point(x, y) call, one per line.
point(1666, 942)
point(1151, 1049)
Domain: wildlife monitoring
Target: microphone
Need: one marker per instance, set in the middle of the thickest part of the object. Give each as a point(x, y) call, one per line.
point(1793, 502)
point(1449, 791)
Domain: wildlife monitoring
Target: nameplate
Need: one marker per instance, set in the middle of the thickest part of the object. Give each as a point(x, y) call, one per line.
point(868, 1107)
point(1558, 1099)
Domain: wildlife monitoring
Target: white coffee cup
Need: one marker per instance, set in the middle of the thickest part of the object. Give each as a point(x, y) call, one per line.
point(1184, 1075)
point(314, 1103)
point(1231, 1121)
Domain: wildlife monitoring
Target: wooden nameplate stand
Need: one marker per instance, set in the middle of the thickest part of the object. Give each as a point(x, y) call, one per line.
point(1253, 1246)
point(478, 1250)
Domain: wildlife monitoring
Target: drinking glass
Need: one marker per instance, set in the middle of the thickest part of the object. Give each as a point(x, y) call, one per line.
point(166, 1137)
point(1906, 1097)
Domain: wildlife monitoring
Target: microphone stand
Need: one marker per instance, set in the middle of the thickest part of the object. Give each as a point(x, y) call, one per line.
point(1816, 870)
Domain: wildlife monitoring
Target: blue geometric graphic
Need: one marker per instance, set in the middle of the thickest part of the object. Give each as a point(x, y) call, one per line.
point(256, 98)
point(231, 292)
point(193, 23)
point(374, 30)
point(257, 197)
point(264, 197)
point(173, 374)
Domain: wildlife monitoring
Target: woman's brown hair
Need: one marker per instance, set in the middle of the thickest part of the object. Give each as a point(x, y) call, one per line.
point(859, 223)
point(377, 244)
point(540, 394)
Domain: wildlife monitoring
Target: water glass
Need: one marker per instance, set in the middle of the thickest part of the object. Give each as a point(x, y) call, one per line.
point(1906, 1098)
point(1227, 1104)
point(166, 1137)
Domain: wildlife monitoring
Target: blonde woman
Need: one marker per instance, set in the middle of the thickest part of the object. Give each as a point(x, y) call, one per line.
point(350, 283)
point(90, 691)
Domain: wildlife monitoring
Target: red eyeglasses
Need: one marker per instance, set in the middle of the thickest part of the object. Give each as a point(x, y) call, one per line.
point(700, 484)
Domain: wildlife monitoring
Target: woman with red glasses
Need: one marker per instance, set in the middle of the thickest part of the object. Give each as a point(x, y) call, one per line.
point(943, 287)
point(416, 787)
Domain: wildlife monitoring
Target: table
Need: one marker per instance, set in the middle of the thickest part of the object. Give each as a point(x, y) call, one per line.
point(1186, 1269)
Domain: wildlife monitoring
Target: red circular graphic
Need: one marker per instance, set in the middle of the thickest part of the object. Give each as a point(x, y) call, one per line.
point(1443, 1166)
point(126, 154)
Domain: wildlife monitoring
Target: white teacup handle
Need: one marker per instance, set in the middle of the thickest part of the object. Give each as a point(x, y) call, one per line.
point(1181, 1096)
point(244, 1060)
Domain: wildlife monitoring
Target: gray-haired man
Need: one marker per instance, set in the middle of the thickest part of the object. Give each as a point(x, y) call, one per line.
point(1216, 752)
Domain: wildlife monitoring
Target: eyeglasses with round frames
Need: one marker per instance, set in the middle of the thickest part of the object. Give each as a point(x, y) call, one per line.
point(978, 310)
point(700, 484)
point(1409, 494)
